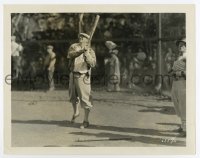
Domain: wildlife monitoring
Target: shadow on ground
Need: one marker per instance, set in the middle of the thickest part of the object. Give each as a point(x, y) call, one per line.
point(163, 110)
point(169, 124)
point(64, 123)
point(104, 136)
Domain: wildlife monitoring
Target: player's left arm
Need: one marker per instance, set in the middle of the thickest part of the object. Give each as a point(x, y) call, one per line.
point(90, 58)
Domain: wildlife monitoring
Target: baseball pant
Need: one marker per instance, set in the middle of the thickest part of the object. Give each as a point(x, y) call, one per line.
point(179, 99)
point(50, 78)
point(80, 90)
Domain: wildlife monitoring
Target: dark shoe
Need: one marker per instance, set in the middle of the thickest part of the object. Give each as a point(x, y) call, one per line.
point(74, 117)
point(182, 134)
point(84, 125)
point(179, 130)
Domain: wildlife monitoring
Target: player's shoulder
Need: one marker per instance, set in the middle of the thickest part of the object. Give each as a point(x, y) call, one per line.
point(116, 58)
point(14, 43)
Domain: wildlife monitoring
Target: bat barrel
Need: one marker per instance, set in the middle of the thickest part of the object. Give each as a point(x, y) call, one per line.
point(80, 22)
point(94, 27)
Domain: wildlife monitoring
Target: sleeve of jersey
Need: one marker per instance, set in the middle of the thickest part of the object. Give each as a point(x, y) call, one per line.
point(74, 51)
point(179, 66)
point(90, 58)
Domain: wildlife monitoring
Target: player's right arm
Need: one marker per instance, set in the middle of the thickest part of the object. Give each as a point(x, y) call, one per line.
point(74, 51)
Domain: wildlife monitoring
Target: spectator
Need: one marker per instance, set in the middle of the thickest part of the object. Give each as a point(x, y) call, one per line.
point(130, 60)
point(15, 54)
point(169, 59)
point(114, 68)
point(51, 67)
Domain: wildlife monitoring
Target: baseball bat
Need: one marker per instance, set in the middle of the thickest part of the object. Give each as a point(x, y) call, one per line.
point(80, 22)
point(94, 28)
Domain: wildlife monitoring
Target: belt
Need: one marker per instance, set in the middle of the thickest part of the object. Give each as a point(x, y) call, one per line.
point(78, 74)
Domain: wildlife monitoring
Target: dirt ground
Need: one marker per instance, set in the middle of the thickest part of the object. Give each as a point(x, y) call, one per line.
point(42, 119)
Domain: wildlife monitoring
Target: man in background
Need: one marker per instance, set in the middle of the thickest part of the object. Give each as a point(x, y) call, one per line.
point(15, 54)
point(51, 66)
point(113, 68)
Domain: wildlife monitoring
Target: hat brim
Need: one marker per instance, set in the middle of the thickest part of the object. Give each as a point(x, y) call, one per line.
point(84, 35)
point(110, 45)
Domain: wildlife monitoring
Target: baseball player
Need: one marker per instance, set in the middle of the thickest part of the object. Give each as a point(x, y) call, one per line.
point(179, 86)
point(81, 59)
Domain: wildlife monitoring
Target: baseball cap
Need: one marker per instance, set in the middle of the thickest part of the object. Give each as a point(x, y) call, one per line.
point(49, 47)
point(84, 35)
point(110, 45)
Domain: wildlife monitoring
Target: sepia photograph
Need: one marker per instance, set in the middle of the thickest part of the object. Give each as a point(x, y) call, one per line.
point(107, 78)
